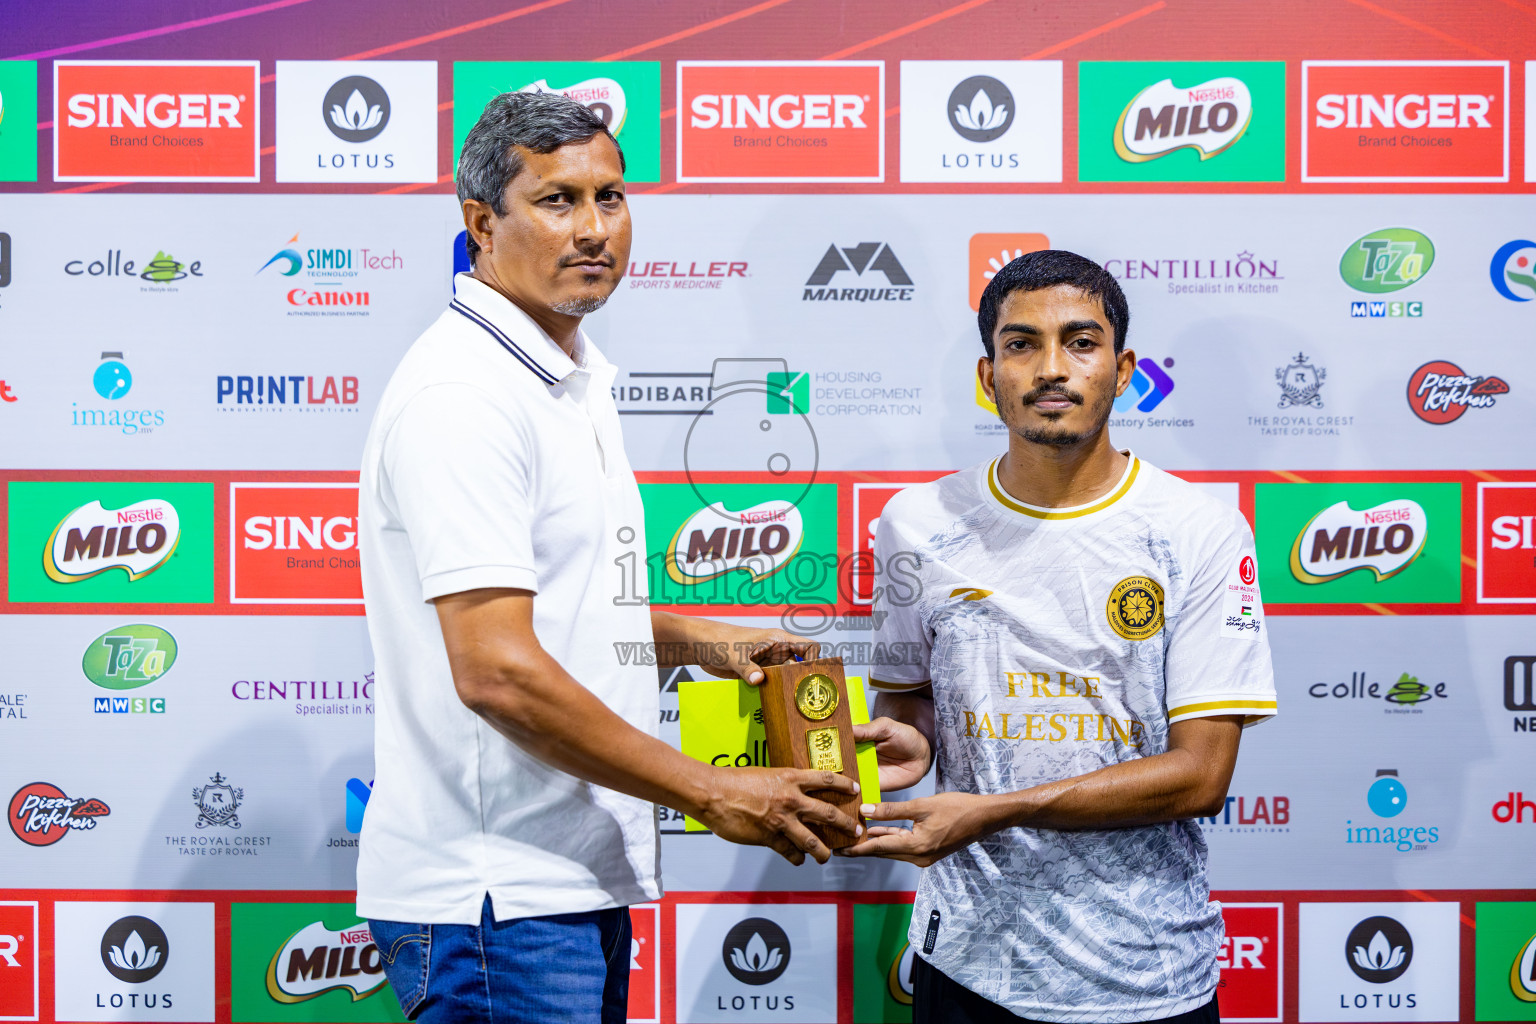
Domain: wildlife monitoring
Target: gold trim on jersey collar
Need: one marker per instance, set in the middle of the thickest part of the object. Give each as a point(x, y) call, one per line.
point(1009, 502)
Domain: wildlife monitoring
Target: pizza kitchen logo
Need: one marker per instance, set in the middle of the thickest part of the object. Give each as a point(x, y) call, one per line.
point(1340, 540)
point(91, 540)
point(40, 814)
point(1440, 392)
point(1164, 118)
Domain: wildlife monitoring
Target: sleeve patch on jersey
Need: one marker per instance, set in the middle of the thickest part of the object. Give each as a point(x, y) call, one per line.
point(1242, 611)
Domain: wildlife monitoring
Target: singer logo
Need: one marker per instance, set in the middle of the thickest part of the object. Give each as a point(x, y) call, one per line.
point(156, 121)
point(645, 964)
point(1506, 543)
point(780, 121)
point(1405, 121)
point(138, 539)
point(1339, 539)
point(294, 544)
point(18, 960)
point(1250, 960)
point(715, 540)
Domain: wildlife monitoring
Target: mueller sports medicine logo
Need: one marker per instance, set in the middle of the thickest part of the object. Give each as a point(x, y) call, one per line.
point(137, 538)
point(874, 257)
point(1162, 118)
point(1411, 121)
point(156, 121)
point(1340, 539)
point(316, 960)
point(1506, 543)
point(294, 544)
point(40, 814)
point(1440, 392)
point(780, 121)
point(714, 541)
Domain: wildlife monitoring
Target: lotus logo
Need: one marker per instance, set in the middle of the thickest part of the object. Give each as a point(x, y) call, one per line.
point(980, 109)
point(356, 109)
point(715, 541)
point(756, 951)
point(1163, 118)
point(603, 96)
point(316, 960)
point(137, 538)
point(1378, 950)
point(134, 949)
point(1338, 540)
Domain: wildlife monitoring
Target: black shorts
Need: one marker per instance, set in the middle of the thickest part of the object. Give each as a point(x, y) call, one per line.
point(937, 999)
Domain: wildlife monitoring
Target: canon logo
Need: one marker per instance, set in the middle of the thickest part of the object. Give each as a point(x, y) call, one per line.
point(826, 110)
point(291, 533)
point(162, 110)
point(1411, 110)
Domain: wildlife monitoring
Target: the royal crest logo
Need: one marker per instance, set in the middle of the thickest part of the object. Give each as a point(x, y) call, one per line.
point(1300, 383)
point(1163, 118)
point(137, 538)
point(218, 803)
point(1135, 608)
point(759, 540)
point(1340, 540)
point(40, 814)
point(1440, 392)
point(316, 960)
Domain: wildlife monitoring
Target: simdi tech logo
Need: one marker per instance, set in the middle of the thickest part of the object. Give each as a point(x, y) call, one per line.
point(156, 121)
point(1505, 975)
point(343, 121)
point(1181, 121)
point(18, 120)
point(1408, 121)
point(786, 121)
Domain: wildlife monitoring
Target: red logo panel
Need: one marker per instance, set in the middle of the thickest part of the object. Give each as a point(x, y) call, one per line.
point(869, 500)
point(294, 544)
point(1409, 121)
point(645, 965)
point(18, 961)
point(1506, 543)
point(1251, 962)
point(156, 121)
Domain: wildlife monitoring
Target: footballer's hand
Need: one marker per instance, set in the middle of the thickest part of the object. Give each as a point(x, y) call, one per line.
point(770, 806)
point(741, 652)
point(941, 825)
point(902, 750)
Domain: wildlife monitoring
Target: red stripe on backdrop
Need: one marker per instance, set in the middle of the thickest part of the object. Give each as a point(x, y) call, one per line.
point(432, 37)
point(164, 30)
point(745, 12)
point(1108, 26)
point(897, 33)
point(1419, 26)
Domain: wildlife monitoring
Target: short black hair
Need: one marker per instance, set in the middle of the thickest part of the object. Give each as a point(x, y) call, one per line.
point(540, 122)
point(1035, 271)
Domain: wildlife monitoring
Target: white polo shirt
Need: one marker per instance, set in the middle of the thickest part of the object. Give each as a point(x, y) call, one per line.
point(495, 460)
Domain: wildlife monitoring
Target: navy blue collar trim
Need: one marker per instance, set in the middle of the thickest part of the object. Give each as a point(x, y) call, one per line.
point(506, 342)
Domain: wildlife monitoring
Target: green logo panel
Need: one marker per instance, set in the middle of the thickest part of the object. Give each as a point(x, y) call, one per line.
point(38, 508)
point(306, 962)
point(1283, 511)
point(741, 544)
point(882, 963)
point(1506, 961)
point(1181, 121)
point(18, 120)
point(623, 93)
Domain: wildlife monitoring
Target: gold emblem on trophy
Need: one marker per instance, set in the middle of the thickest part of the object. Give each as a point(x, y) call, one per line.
point(816, 697)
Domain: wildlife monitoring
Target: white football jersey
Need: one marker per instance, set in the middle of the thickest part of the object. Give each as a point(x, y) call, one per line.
point(1059, 641)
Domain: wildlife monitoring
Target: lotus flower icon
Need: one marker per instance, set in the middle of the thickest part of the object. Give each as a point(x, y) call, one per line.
point(980, 108)
point(133, 955)
point(755, 957)
point(358, 115)
point(1379, 954)
point(981, 115)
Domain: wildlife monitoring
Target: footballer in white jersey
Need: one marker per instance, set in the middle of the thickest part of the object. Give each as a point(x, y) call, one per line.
point(1076, 639)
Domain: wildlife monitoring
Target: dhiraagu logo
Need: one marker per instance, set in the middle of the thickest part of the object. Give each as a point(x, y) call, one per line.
point(1388, 260)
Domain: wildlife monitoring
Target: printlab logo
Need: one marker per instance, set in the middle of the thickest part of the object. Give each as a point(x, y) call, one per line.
point(1378, 950)
point(1301, 383)
point(356, 109)
point(756, 951)
point(217, 803)
point(1439, 392)
point(134, 949)
point(1150, 385)
point(980, 109)
point(871, 256)
point(1512, 268)
point(1386, 261)
point(40, 814)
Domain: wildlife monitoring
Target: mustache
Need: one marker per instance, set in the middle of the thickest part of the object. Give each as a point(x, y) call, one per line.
point(576, 259)
point(1052, 391)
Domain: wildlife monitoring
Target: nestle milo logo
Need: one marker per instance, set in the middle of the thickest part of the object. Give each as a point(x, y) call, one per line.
point(128, 657)
point(1387, 260)
point(1163, 117)
point(1340, 539)
point(316, 960)
point(716, 540)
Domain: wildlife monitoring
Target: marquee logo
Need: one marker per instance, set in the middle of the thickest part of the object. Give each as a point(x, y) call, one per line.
point(316, 960)
point(1163, 118)
point(1338, 540)
point(714, 541)
point(156, 121)
point(780, 121)
point(294, 544)
point(1412, 121)
point(1439, 392)
point(91, 540)
point(40, 814)
point(875, 257)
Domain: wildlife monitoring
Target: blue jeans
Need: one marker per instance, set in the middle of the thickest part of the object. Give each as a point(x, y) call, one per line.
point(566, 967)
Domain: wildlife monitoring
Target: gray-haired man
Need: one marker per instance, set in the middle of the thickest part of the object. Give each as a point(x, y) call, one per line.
point(512, 820)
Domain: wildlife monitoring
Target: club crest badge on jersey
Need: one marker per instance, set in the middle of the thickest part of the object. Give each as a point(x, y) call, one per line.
point(1135, 608)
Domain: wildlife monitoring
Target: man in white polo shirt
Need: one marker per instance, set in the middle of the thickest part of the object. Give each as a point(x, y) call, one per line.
point(512, 820)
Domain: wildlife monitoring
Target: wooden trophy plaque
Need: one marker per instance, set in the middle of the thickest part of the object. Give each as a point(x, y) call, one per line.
point(806, 717)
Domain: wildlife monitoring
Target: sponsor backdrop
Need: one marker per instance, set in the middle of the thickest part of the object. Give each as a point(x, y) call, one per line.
point(225, 222)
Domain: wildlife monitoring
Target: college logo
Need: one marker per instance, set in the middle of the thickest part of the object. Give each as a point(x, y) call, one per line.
point(129, 657)
point(1440, 392)
point(756, 951)
point(1181, 121)
point(1404, 121)
point(962, 120)
point(134, 949)
point(1506, 543)
point(876, 257)
point(1135, 608)
point(294, 544)
point(137, 538)
point(217, 803)
point(345, 121)
point(626, 95)
point(156, 121)
point(1512, 268)
point(18, 960)
point(40, 814)
point(18, 128)
point(759, 541)
point(1384, 539)
point(1149, 386)
point(991, 253)
point(781, 121)
point(1300, 383)
point(1407, 693)
point(316, 960)
point(160, 271)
